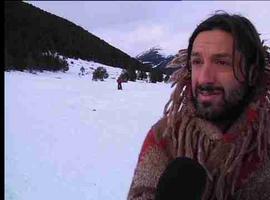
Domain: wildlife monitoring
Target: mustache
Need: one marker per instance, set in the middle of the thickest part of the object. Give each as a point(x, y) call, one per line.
point(208, 88)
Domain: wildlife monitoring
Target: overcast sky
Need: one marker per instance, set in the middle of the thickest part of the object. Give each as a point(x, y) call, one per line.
point(135, 26)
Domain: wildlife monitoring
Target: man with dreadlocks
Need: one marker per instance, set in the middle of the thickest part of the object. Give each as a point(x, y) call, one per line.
point(218, 115)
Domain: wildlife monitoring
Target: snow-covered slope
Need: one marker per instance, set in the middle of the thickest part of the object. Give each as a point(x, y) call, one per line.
point(68, 137)
point(90, 66)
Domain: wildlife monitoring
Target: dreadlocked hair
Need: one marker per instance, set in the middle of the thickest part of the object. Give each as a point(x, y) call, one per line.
point(196, 138)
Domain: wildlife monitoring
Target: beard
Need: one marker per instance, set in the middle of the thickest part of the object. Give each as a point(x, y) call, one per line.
point(229, 106)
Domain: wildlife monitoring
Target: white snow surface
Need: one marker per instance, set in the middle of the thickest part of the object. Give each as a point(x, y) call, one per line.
point(68, 137)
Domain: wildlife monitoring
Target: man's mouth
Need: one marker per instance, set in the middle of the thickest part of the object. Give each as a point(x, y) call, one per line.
point(208, 94)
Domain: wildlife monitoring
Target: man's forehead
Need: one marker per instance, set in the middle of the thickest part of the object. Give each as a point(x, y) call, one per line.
point(213, 36)
point(213, 42)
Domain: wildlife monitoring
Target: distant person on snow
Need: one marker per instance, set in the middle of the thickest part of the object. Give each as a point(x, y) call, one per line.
point(82, 71)
point(218, 115)
point(119, 83)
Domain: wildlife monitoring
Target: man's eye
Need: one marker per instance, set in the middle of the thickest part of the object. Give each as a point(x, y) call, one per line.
point(223, 63)
point(196, 62)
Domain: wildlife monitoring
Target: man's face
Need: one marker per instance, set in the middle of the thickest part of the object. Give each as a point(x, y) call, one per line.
point(214, 86)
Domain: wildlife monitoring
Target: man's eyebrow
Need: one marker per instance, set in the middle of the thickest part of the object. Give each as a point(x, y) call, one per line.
point(222, 55)
point(218, 55)
point(195, 54)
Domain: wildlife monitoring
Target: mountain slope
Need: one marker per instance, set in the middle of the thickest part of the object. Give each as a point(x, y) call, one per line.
point(156, 59)
point(30, 32)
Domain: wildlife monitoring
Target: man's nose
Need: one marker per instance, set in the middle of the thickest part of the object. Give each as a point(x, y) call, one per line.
point(207, 74)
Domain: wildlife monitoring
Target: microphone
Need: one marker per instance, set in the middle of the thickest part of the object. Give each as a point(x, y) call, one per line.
point(183, 179)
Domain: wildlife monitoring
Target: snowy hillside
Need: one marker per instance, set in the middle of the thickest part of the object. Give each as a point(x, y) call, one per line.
point(75, 65)
point(68, 137)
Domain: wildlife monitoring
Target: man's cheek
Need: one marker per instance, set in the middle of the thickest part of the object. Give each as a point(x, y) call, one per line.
point(193, 85)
